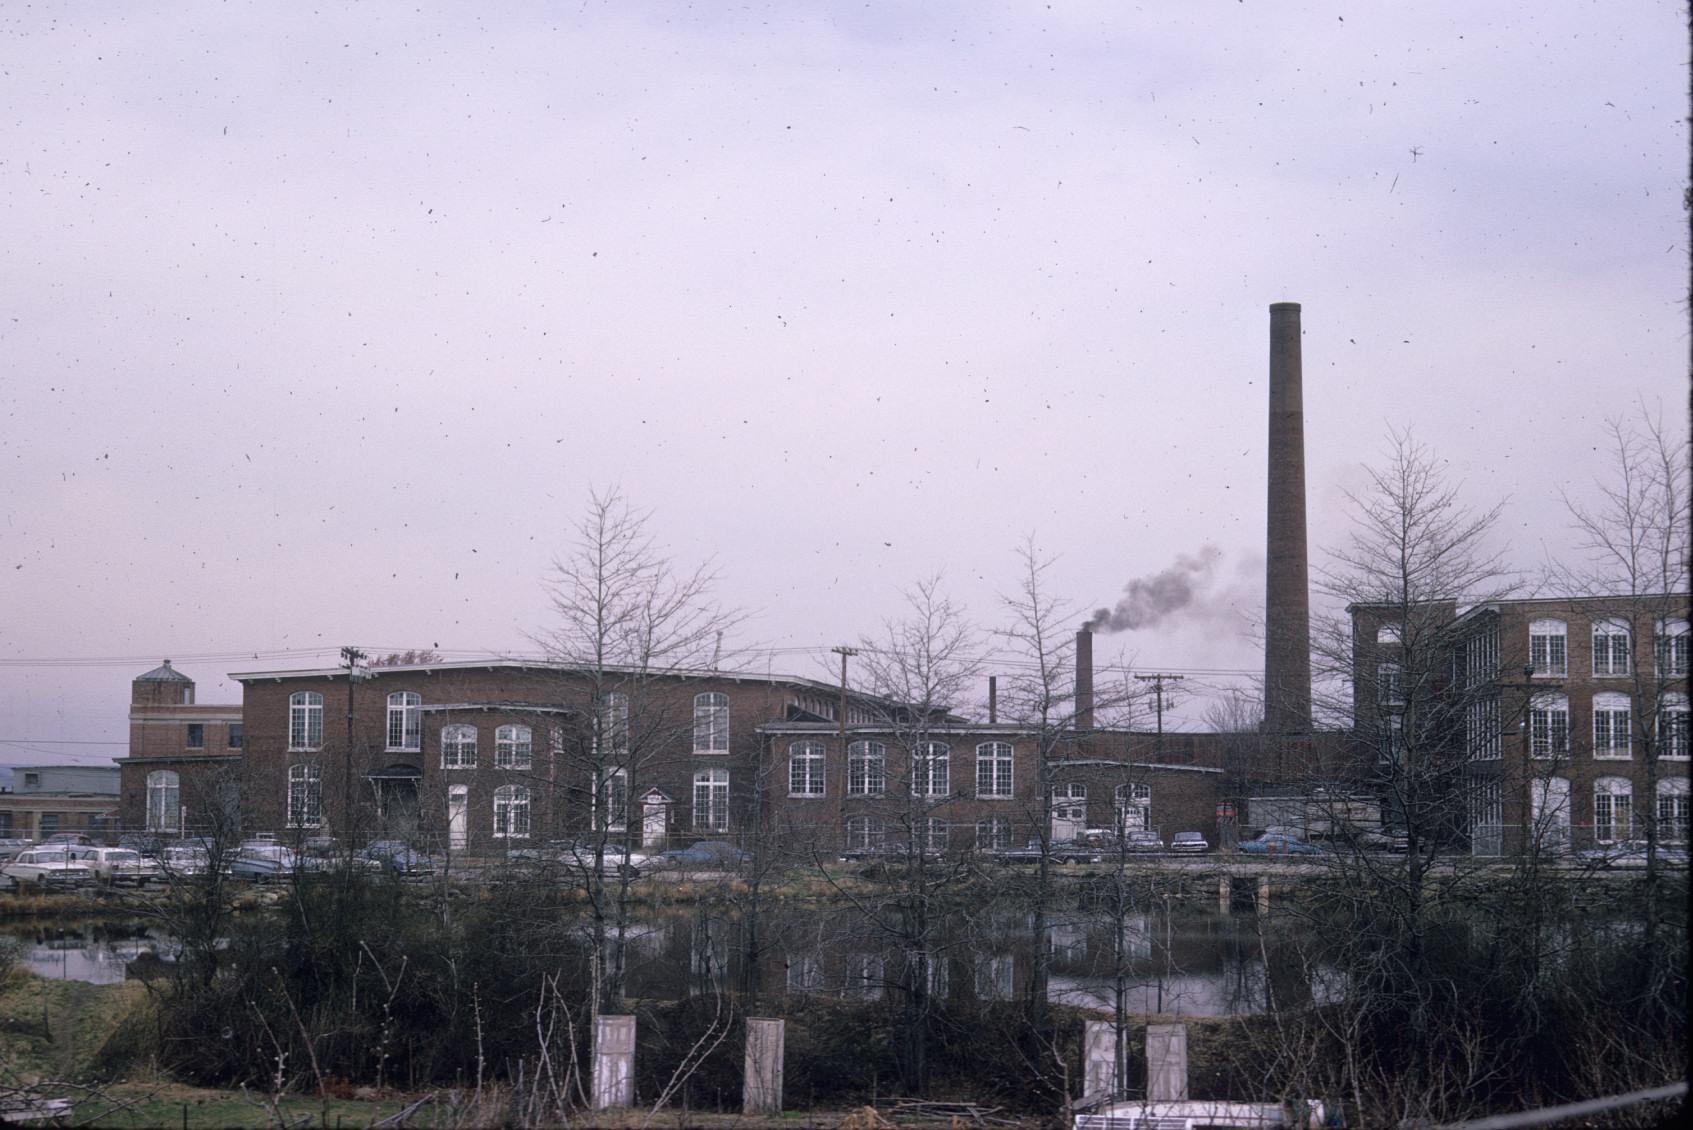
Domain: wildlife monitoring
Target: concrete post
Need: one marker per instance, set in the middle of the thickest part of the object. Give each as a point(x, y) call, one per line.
point(1166, 1063)
point(614, 1061)
point(1225, 893)
point(762, 1089)
point(1099, 1059)
point(1264, 895)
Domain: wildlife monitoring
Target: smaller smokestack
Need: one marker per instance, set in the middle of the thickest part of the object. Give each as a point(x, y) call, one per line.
point(993, 699)
point(1084, 678)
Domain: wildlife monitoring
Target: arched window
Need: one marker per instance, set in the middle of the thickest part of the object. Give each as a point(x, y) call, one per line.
point(805, 769)
point(711, 723)
point(305, 720)
point(513, 747)
point(511, 812)
point(305, 796)
point(1549, 808)
point(1388, 634)
point(863, 833)
point(1134, 807)
point(1613, 809)
point(1549, 725)
point(1610, 647)
point(867, 764)
point(1070, 802)
point(711, 800)
point(993, 771)
point(405, 722)
point(929, 770)
point(1672, 810)
point(458, 746)
point(1611, 720)
point(1672, 726)
point(164, 801)
point(1549, 647)
point(1672, 648)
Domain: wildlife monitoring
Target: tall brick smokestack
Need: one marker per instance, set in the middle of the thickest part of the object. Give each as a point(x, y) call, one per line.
point(1287, 601)
point(1084, 679)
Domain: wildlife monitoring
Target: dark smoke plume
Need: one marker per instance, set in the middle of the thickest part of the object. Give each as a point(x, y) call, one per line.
point(1147, 600)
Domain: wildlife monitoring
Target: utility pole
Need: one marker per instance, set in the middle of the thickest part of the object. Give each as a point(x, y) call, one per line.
point(845, 653)
point(1158, 682)
point(350, 659)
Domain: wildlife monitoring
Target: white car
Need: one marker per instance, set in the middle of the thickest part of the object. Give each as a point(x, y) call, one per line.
point(119, 865)
point(47, 867)
point(182, 861)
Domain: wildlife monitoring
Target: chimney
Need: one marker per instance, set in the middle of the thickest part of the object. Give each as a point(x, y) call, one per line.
point(1084, 679)
point(1287, 609)
point(993, 699)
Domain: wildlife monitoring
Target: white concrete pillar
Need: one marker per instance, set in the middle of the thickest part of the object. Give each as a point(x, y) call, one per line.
point(614, 1061)
point(762, 1089)
point(1166, 1063)
point(1099, 1059)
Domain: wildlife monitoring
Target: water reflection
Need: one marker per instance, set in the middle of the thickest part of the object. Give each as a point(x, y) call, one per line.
point(101, 953)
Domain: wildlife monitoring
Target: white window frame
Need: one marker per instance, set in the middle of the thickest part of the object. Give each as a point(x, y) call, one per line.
point(1549, 813)
point(164, 801)
point(995, 766)
point(1487, 819)
point(711, 722)
point(993, 834)
point(458, 746)
point(305, 796)
point(1549, 726)
point(611, 799)
point(1613, 719)
point(1481, 729)
point(1672, 647)
point(806, 777)
point(514, 747)
point(1613, 809)
point(863, 832)
point(1135, 798)
point(512, 812)
point(1390, 684)
point(1388, 634)
point(931, 769)
point(933, 835)
point(1610, 658)
point(711, 800)
point(1672, 810)
point(1549, 648)
point(613, 725)
point(405, 722)
point(305, 722)
point(867, 769)
point(1674, 738)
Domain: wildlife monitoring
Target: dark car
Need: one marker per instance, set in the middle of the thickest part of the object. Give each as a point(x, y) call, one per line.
point(707, 855)
point(1279, 843)
point(400, 858)
point(1142, 841)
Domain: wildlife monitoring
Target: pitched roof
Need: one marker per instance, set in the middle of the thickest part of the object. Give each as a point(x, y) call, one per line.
point(163, 674)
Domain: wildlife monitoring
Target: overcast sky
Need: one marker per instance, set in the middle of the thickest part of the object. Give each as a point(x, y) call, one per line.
point(318, 324)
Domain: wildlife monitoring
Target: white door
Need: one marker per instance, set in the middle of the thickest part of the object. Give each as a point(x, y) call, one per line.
point(653, 811)
point(458, 816)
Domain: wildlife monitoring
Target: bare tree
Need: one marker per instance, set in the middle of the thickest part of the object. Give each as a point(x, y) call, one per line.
point(1634, 536)
point(628, 622)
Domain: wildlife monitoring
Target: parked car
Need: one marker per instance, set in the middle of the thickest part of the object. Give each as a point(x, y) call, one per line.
point(181, 861)
point(263, 861)
point(579, 855)
point(78, 838)
point(1189, 843)
point(1143, 841)
point(10, 847)
point(1059, 851)
point(119, 865)
point(707, 855)
point(400, 858)
point(1279, 843)
point(47, 867)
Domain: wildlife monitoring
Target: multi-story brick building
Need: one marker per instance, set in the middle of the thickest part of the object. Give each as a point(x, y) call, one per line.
point(48, 799)
point(1568, 715)
point(183, 756)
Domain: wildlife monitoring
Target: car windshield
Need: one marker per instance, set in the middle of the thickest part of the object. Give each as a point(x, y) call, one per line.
point(122, 857)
